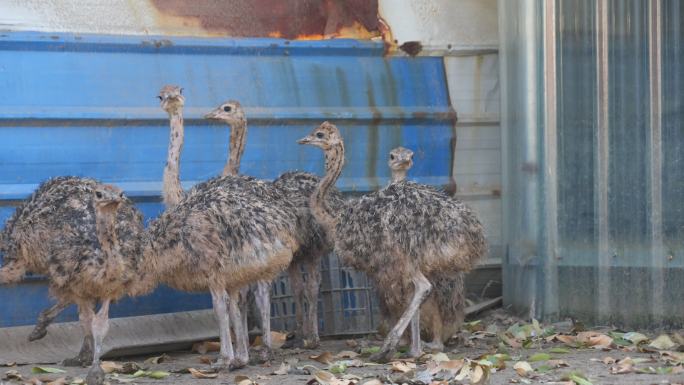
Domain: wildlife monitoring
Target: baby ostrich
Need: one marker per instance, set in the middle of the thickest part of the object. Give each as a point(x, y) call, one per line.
point(82, 236)
point(443, 311)
point(172, 101)
point(313, 244)
point(404, 231)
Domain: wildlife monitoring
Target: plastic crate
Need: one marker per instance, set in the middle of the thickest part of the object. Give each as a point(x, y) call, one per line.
point(347, 304)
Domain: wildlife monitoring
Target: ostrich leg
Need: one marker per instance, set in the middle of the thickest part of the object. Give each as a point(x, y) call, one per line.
point(86, 313)
point(422, 288)
point(241, 337)
point(263, 302)
point(100, 328)
point(313, 283)
point(297, 289)
point(415, 335)
point(219, 298)
point(45, 318)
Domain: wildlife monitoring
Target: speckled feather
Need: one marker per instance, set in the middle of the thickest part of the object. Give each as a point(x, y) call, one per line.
point(226, 232)
point(53, 233)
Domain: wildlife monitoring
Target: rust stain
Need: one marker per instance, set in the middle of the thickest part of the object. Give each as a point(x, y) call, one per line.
point(412, 48)
point(287, 19)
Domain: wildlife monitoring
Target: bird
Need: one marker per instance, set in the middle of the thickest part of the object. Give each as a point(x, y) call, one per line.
point(313, 244)
point(404, 232)
point(83, 236)
point(443, 311)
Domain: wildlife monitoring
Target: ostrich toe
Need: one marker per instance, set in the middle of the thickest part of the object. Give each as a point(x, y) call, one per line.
point(96, 376)
point(383, 356)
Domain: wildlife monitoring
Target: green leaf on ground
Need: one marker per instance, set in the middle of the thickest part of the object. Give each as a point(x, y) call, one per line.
point(559, 351)
point(539, 357)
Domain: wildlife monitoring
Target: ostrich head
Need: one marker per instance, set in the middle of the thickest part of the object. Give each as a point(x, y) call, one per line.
point(171, 98)
point(324, 136)
point(107, 198)
point(400, 159)
point(230, 112)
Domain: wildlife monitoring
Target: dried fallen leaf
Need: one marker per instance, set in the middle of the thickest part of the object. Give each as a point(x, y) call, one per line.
point(346, 354)
point(206, 346)
point(157, 359)
point(558, 364)
point(110, 367)
point(282, 370)
point(568, 340)
point(523, 368)
point(77, 381)
point(512, 342)
point(402, 367)
point(674, 358)
point(352, 343)
point(45, 369)
point(201, 374)
point(635, 338)
point(59, 381)
point(130, 367)
point(13, 375)
point(478, 375)
point(323, 358)
point(623, 366)
point(663, 342)
point(452, 366)
point(205, 360)
point(8, 363)
point(464, 373)
point(608, 360)
point(243, 380)
point(374, 381)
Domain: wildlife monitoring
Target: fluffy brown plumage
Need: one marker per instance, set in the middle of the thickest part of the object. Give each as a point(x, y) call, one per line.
point(84, 236)
point(312, 242)
point(442, 313)
point(405, 231)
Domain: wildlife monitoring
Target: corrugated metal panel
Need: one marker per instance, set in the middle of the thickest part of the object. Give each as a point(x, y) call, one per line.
point(85, 105)
point(592, 225)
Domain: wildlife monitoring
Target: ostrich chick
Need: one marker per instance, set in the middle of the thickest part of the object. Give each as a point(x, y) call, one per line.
point(405, 231)
point(443, 311)
point(82, 236)
point(311, 239)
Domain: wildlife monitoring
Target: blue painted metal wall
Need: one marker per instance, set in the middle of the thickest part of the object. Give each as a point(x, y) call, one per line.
point(85, 105)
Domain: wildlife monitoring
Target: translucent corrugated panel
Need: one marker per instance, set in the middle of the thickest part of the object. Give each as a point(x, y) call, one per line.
point(593, 122)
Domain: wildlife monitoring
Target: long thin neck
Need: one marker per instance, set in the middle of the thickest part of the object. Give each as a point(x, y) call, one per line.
point(172, 190)
point(105, 228)
point(238, 137)
point(398, 175)
point(327, 217)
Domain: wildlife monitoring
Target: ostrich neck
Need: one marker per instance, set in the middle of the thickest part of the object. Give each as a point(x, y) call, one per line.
point(334, 160)
point(238, 135)
point(105, 228)
point(172, 190)
point(398, 175)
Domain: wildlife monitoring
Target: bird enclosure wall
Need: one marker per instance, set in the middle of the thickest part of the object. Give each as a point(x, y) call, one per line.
point(592, 117)
point(85, 105)
point(79, 81)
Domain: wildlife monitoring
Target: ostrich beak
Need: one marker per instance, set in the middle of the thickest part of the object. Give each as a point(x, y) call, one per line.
point(213, 115)
point(304, 140)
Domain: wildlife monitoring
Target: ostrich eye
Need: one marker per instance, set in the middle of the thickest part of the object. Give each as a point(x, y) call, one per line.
point(159, 97)
point(391, 156)
point(98, 195)
point(181, 91)
point(121, 195)
point(319, 135)
point(227, 108)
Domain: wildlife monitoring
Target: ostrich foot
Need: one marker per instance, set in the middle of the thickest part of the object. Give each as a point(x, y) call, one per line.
point(37, 333)
point(96, 376)
point(434, 346)
point(81, 360)
point(301, 343)
point(260, 355)
point(383, 356)
point(227, 365)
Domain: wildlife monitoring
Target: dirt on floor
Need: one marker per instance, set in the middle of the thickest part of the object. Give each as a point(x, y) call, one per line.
point(499, 349)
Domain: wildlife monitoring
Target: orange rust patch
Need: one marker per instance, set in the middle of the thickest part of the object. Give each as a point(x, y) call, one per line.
point(287, 19)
